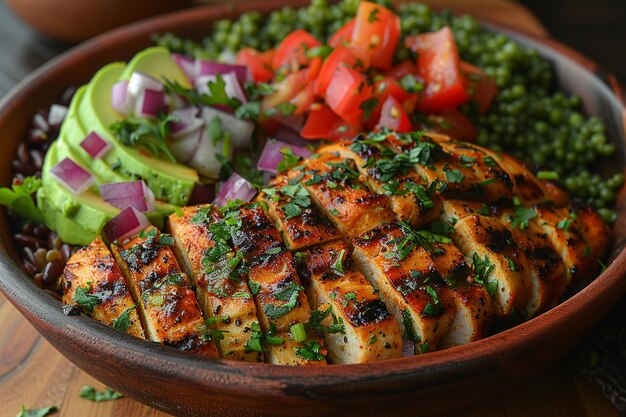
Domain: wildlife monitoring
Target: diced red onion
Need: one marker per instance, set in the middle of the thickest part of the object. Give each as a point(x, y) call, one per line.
point(95, 145)
point(129, 194)
point(240, 130)
point(139, 82)
point(57, 114)
point(232, 87)
point(187, 65)
point(72, 176)
point(127, 223)
point(185, 147)
point(121, 100)
point(188, 122)
point(204, 160)
point(408, 348)
point(204, 67)
point(235, 188)
point(150, 103)
point(271, 155)
point(285, 134)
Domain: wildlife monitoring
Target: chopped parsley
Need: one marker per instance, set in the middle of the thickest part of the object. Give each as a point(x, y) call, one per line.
point(350, 296)
point(483, 268)
point(19, 199)
point(566, 222)
point(317, 317)
point(372, 340)
point(310, 351)
point(373, 16)
point(410, 85)
point(145, 133)
point(289, 160)
point(217, 93)
point(122, 323)
point(511, 263)
point(39, 412)
point(287, 109)
point(255, 287)
point(85, 299)
point(337, 266)
point(368, 106)
point(454, 176)
point(91, 394)
point(258, 339)
point(415, 238)
point(288, 294)
point(522, 215)
point(409, 330)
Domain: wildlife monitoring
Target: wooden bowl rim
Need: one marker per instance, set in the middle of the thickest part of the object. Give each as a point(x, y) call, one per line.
point(36, 305)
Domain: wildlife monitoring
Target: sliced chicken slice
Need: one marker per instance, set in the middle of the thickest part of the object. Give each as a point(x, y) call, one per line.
point(396, 261)
point(166, 304)
point(203, 249)
point(93, 282)
point(498, 262)
point(526, 186)
point(392, 174)
point(334, 186)
point(336, 288)
point(563, 231)
point(593, 230)
point(279, 296)
point(547, 271)
point(291, 209)
point(474, 313)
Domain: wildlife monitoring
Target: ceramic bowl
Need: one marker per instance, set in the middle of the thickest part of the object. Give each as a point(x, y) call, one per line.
point(186, 385)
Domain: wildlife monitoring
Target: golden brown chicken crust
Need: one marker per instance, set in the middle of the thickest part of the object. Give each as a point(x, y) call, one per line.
point(222, 292)
point(332, 280)
point(166, 304)
point(95, 271)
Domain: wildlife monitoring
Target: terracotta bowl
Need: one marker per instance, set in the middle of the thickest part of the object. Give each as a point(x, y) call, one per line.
point(185, 385)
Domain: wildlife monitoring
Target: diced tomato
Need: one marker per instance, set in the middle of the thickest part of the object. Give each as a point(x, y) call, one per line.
point(323, 123)
point(292, 51)
point(390, 87)
point(481, 88)
point(287, 89)
point(343, 35)
point(346, 93)
point(451, 123)
point(314, 68)
point(377, 30)
point(259, 63)
point(439, 65)
point(303, 100)
point(398, 71)
point(353, 57)
point(394, 117)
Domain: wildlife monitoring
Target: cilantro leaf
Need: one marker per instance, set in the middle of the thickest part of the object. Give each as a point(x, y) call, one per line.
point(310, 351)
point(40, 412)
point(289, 294)
point(409, 329)
point(317, 317)
point(337, 266)
point(523, 216)
point(149, 134)
point(454, 176)
point(258, 339)
point(368, 106)
point(19, 199)
point(482, 271)
point(410, 84)
point(122, 323)
point(289, 160)
point(85, 299)
point(91, 394)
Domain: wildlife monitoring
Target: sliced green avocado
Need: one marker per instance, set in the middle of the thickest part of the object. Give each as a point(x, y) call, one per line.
point(88, 210)
point(169, 181)
point(72, 134)
point(69, 231)
point(156, 62)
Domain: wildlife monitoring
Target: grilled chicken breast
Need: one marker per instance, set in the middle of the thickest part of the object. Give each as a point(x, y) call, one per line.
point(279, 296)
point(355, 322)
point(388, 236)
point(166, 304)
point(93, 282)
point(221, 282)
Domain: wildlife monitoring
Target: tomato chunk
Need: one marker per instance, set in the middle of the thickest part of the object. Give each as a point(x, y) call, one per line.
point(391, 87)
point(323, 123)
point(287, 89)
point(451, 123)
point(439, 65)
point(377, 30)
point(481, 87)
point(353, 57)
point(292, 51)
point(398, 71)
point(347, 91)
point(394, 117)
point(303, 100)
point(343, 35)
point(258, 63)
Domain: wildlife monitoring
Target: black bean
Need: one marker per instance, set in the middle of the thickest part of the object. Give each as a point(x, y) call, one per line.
point(52, 272)
point(54, 241)
point(23, 152)
point(28, 255)
point(36, 136)
point(66, 251)
point(29, 268)
point(37, 157)
point(23, 167)
point(28, 227)
point(29, 241)
point(41, 231)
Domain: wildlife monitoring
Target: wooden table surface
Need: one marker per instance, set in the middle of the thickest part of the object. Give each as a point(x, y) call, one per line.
point(36, 375)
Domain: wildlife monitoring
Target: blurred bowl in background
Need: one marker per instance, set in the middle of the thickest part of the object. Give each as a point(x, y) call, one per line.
point(77, 20)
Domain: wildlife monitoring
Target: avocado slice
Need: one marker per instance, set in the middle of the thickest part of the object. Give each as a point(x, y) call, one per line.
point(88, 211)
point(156, 62)
point(169, 181)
